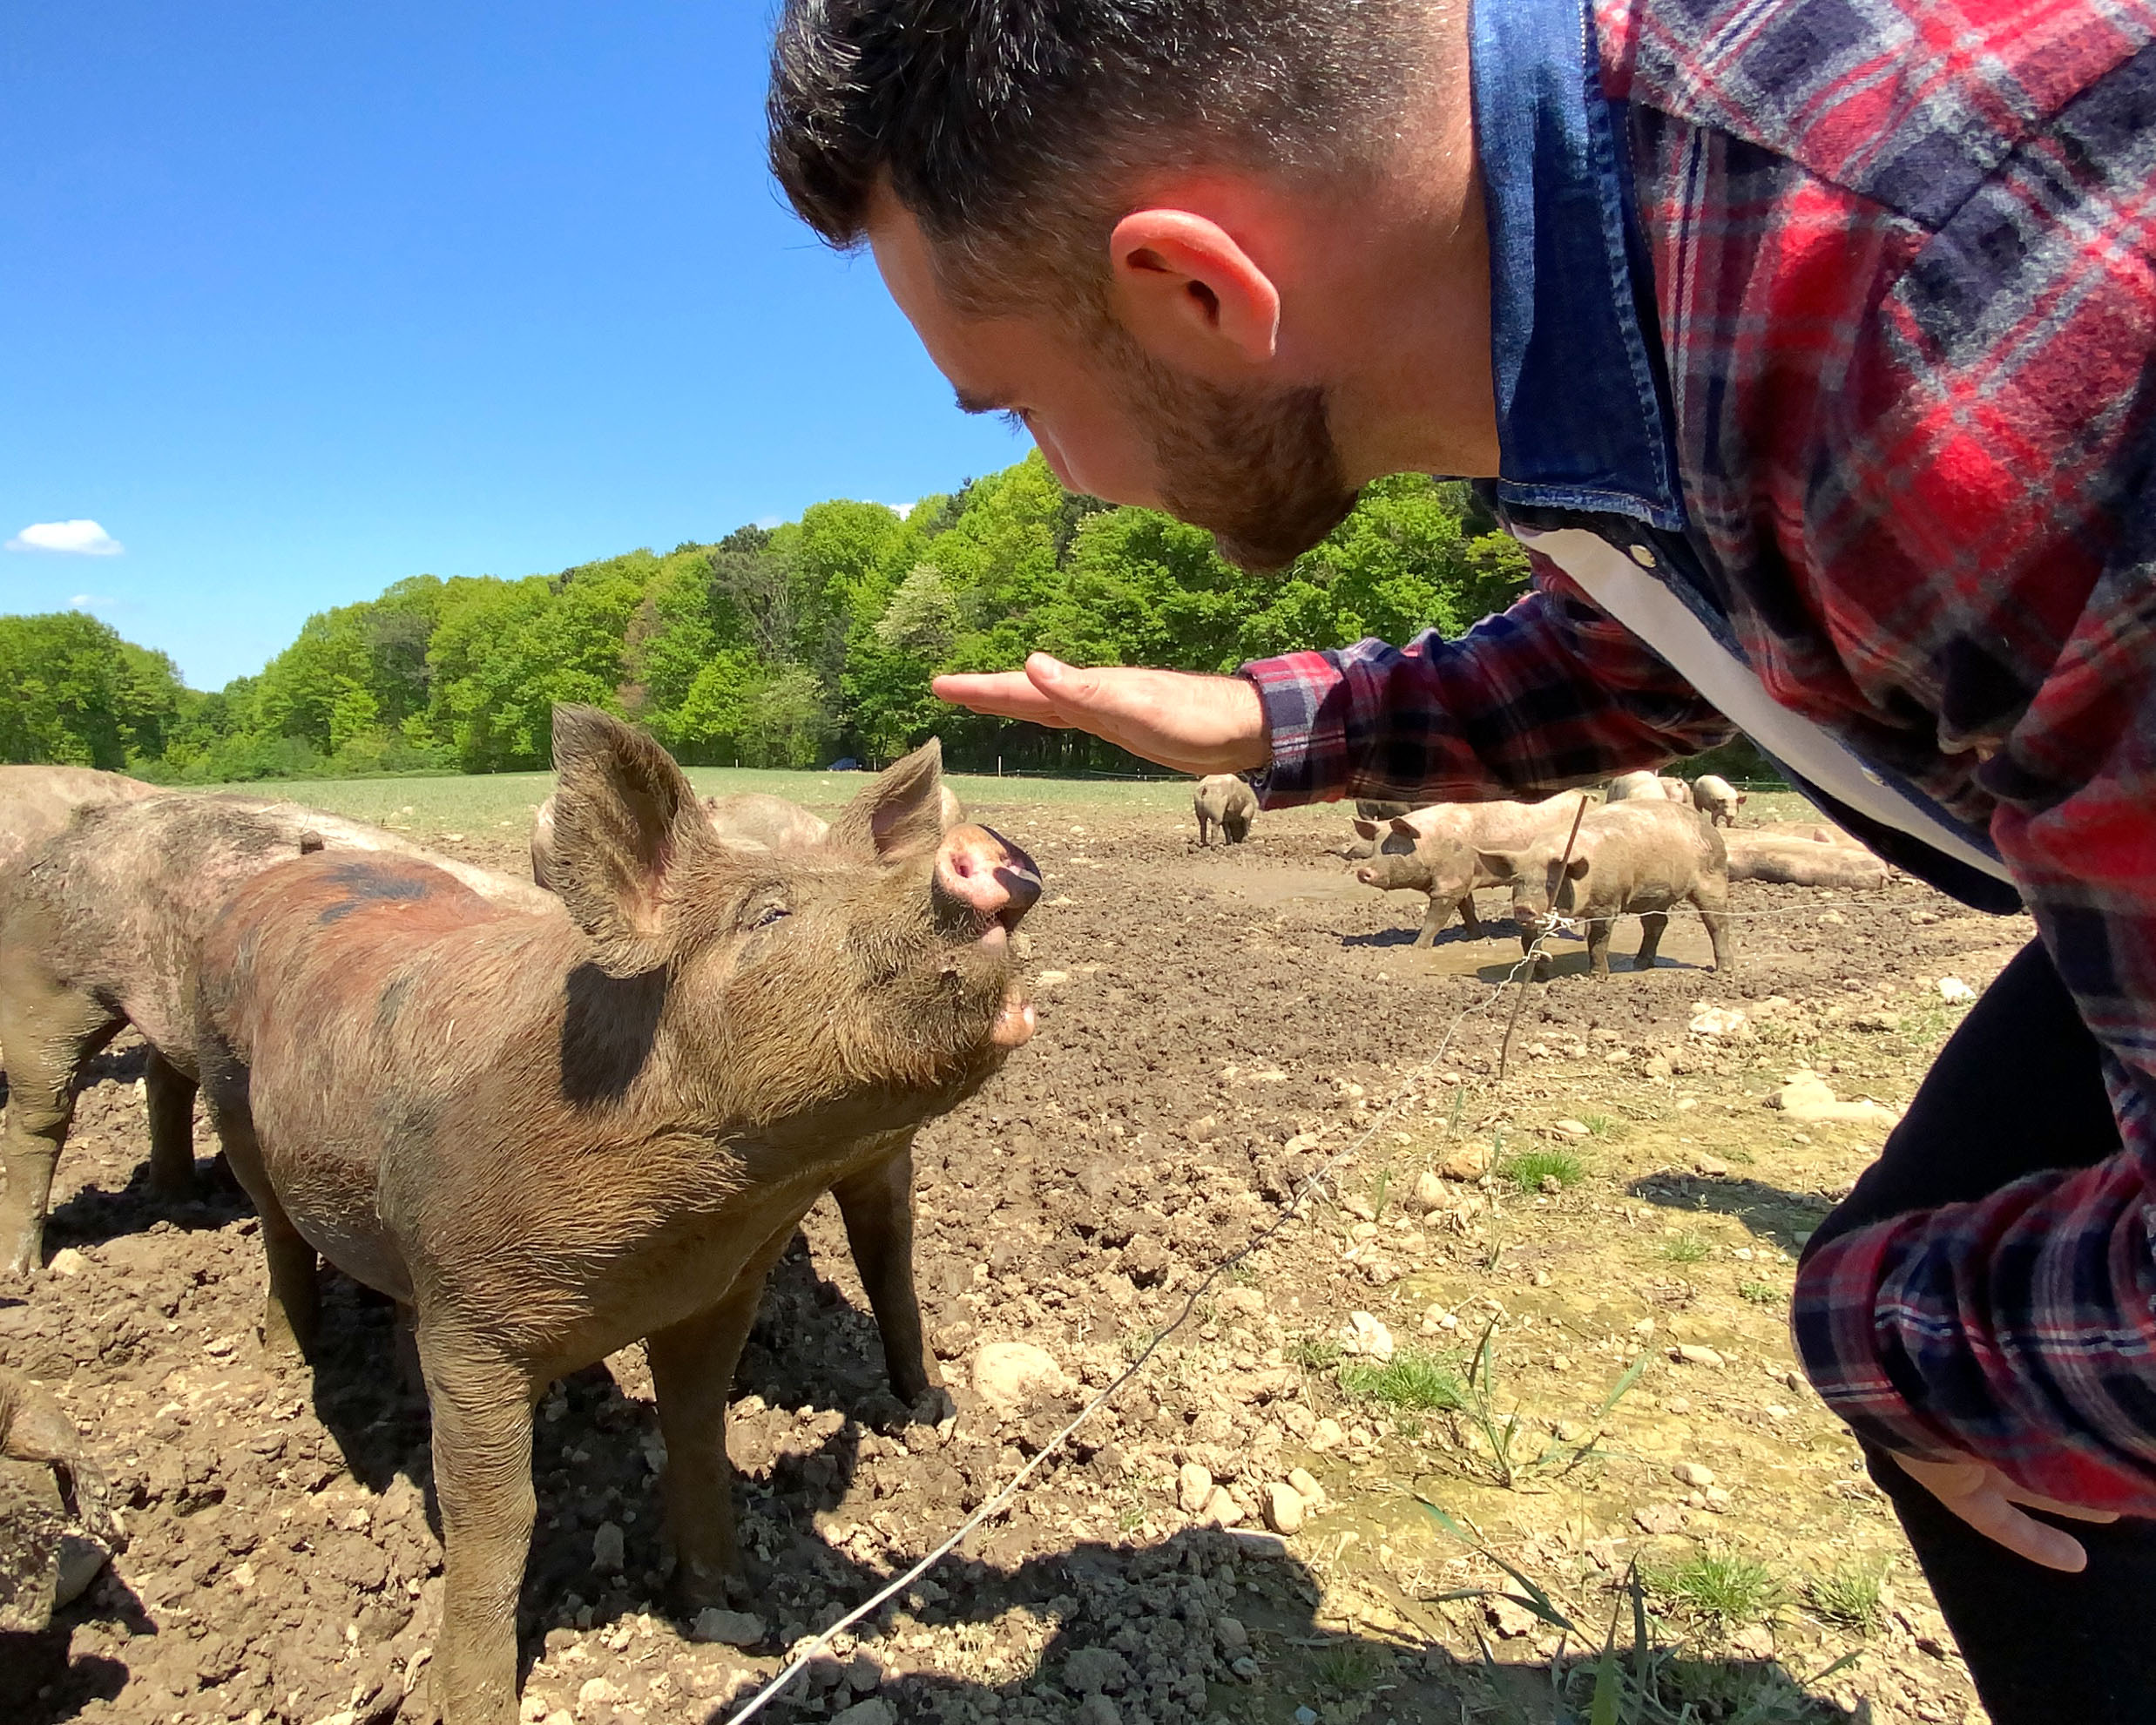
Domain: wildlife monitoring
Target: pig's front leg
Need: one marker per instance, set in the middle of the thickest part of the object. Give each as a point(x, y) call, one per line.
point(1468, 918)
point(1433, 919)
point(693, 1364)
point(877, 1204)
point(481, 1406)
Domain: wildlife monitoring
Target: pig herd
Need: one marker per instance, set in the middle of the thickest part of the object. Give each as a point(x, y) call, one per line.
point(546, 1123)
point(549, 1119)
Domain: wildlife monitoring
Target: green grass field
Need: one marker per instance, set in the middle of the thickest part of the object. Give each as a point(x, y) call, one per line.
point(505, 800)
point(472, 805)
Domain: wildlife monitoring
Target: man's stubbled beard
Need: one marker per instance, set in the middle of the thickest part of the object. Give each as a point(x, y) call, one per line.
point(1257, 468)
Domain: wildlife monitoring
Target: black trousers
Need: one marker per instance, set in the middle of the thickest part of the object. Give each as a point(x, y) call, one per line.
point(2015, 1089)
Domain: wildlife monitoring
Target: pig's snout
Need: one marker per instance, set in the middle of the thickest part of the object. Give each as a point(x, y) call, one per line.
point(1368, 876)
point(983, 875)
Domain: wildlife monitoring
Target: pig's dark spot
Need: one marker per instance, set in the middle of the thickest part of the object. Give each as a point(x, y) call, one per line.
point(607, 1032)
point(392, 1002)
point(363, 881)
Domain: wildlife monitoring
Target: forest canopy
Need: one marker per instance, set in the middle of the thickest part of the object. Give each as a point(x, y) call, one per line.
point(786, 646)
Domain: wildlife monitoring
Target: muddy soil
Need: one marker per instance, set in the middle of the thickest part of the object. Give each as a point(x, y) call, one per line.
point(1218, 1028)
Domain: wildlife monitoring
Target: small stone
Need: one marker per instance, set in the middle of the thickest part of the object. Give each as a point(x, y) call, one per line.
point(1429, 1190)
point(1470, 1161)
point(1306, 1485)
point(1542, 1278)
point(732, 1628)
point(1244, 1668)
point(608, 1549)
point(68, 1262)
point(1234, 1636)
point(1659, 1518)
point(594, 1692)
point(1678, 1405)
point(1694, 1474)
point(1255, 1542)
point(1713, 1167)
point(1571, 1128)
point(1305, 1716)
point(1091, 1671)
point(1511, 1619)
point(1954, 990)
point(1326, 1435)
point(1365, 1338)
point(1714, 1020)
point(1008, 1375)
point(1693, 1353)
point(1193, 1488)
point(1221, 1509)
point(1284, 1508)
point(873, 1711)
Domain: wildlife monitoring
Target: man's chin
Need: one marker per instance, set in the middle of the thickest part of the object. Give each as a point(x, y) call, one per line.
point(1271, 546)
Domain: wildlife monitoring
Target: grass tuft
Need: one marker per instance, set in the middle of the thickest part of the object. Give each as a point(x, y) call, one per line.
point(1686, 1249)
point(1411, 1381)
point(1315, 1353)
point(1722, 1585)
point(1530, 1168)
point(1848, 1596)
point(1347, 1668)
point(1759, 1293)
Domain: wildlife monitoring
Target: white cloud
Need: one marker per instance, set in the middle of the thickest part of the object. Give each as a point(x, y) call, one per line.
point(767, 522)
point(902, 511)
point(79, 539)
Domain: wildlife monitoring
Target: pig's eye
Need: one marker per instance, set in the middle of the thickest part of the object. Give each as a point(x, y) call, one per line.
point(763, 911)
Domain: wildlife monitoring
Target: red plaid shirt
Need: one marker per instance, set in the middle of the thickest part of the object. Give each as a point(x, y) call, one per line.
point(1902, 310)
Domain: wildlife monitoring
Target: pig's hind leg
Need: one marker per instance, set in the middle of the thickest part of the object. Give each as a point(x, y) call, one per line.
point(1711, 899)
point(49, 1034)
point(169, 1094)
point(877, 1204)
point(1652, 924)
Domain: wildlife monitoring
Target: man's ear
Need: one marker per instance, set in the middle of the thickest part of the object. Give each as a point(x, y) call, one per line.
point(1190, 295)
point(624, 816)
point(901, 814)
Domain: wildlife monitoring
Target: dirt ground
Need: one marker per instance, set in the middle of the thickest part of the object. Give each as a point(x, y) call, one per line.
point(1216, 1028)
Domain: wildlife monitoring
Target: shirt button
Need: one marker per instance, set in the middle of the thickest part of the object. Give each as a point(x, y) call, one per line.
point(1641, 555)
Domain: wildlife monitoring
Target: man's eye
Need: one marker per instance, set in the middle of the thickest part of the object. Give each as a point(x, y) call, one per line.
point(770, 914)
point(1016, 418)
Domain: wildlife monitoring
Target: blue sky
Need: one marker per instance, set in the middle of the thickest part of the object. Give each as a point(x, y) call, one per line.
point(299, 300)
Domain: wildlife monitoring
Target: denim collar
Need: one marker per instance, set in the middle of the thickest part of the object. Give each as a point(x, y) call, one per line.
point(1582, 422)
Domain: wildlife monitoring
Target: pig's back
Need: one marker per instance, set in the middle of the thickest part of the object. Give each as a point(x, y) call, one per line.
point(36, 802)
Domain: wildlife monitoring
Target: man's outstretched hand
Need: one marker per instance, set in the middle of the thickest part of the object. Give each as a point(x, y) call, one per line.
point(1191, 723)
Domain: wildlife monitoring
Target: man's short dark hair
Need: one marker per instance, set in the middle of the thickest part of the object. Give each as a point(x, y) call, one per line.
point(1008, 128)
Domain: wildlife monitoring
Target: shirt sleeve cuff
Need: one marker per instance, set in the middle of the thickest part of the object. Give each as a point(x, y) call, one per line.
point(1304, 696)
point(1835, 1330)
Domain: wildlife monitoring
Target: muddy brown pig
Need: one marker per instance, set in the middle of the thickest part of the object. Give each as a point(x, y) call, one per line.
point(36, 801)
point(875, 1203)
point(1802, 862)
point(1632, 858)
point(551, 1134)
point(1434, 851)
point(1225, 800)
point(99, 928)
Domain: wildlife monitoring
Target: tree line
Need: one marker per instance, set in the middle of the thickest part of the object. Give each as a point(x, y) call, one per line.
point(779, 647)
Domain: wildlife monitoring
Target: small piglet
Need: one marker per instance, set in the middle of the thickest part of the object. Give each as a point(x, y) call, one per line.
point(551, 1133)
point(1225, 800)
point(1638, 858)
point(1434, 851)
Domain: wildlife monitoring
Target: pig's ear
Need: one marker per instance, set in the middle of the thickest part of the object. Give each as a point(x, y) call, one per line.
point(1406, 828)
point(1499, 865)
point(624, 816)
point(1576, 868)
point(1365, 828)
point(901, 814)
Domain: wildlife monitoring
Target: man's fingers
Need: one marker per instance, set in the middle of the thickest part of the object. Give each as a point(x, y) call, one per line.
point(1989, 1513)
point(2069, 1511)
point(1009, 694)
